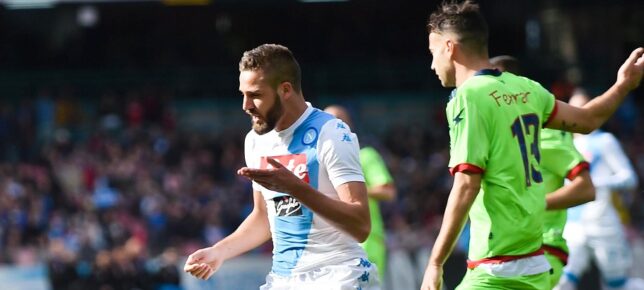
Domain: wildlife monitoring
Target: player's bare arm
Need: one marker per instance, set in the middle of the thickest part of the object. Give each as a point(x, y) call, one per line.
point(384, 192)
point(252, 232)
point(596, 112)
point(350, 213)
point(465, 189)
point(579, 191)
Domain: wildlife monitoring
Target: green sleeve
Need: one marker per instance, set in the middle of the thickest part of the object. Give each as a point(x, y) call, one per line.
point(374, 168)
point(549, 102)
point(469, 142)
point(559, 155)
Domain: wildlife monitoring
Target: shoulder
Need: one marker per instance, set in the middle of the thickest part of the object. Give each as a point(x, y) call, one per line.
point(471, 90)
point(605, 138)
point(250, 138)
point(369, 153)
point(318, 118)
point(250, 135)
point(331, 126)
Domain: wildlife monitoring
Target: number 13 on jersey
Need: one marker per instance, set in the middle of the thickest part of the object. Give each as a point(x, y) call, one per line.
point(524, 127)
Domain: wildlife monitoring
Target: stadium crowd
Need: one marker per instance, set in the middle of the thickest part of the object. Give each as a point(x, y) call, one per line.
point(118, 203)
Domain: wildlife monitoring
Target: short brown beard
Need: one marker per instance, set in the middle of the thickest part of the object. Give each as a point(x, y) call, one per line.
point(272, 116)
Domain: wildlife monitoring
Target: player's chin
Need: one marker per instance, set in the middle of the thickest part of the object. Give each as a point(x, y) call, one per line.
point(441, 79)
point(447, 84)
point(261, 128)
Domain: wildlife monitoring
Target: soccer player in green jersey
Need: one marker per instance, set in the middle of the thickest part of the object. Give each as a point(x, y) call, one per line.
point(559, 160)
point(495, 120)
point(380, 187)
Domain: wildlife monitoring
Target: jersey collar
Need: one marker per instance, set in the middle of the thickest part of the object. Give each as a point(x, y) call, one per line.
point(484, 72)
point(452, 95)
point(488, 72)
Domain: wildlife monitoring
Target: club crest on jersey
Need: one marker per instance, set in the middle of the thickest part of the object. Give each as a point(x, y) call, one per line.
point(310, 136)
point(287, 206)
point(295, 163)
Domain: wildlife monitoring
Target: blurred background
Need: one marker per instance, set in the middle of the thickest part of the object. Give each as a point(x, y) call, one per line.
point(121, 126)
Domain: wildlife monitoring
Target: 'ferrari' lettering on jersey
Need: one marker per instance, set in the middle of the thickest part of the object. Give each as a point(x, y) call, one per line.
point(502, 116)
point(509, 99)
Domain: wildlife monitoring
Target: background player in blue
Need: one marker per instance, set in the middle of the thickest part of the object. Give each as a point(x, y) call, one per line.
point(594, 230)
point(308, 187)
point(458, 42)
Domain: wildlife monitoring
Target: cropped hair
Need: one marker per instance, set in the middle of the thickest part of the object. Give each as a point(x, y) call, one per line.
point(276, 62)
point(464, 20)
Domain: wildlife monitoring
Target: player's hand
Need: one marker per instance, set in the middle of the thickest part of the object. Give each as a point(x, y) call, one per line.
point(278, 178)
point(630, 73)
point(433, 279)
point(203, 263)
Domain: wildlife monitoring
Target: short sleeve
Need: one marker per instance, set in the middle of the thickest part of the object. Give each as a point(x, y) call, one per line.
point(548, 101)
point(374, 167)
point(469, 142)
point(559, 154)
point(338, 153)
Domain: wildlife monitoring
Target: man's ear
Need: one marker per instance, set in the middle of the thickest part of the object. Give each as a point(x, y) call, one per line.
point(285, 90)
point(450, 46)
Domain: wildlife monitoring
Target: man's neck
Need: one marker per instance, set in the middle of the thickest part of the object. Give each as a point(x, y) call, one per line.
point(292, 111)
point(466, 70)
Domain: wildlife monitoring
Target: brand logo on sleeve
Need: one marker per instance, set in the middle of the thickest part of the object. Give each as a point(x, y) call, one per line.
point(295, 163)
point(458, 117)
point(287, 206)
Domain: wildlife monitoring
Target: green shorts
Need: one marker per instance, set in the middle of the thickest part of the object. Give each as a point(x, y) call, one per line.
point(478, 279)
point(557, 269)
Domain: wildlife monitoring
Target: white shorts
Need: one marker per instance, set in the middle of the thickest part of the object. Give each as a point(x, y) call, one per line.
point(359, 274)
point(611, 253)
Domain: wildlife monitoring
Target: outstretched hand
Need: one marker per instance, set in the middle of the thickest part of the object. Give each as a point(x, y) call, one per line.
point(630, 73)
point(203, 263)
point(278, 178)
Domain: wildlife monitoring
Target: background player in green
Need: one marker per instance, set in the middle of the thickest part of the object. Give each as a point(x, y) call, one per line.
point(495, 120)
point(380, 187)
point(559, 160)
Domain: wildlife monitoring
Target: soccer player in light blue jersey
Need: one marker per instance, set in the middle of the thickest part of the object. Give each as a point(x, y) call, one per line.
point(308, 187)
point(594, 230)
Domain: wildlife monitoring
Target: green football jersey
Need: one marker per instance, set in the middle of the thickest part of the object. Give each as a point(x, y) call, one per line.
point(560, 160)
point(495, 120)
point(375, 173)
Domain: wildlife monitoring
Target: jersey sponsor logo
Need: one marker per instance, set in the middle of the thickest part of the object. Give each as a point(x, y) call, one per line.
point(287, 206)
point(346, 137)
point(458, 117)
point(295, 163)
point(309, 136)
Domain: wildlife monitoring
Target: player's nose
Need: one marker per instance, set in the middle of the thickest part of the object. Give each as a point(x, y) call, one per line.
point(247, 104)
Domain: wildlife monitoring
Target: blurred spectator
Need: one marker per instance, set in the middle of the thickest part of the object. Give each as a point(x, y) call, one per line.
point(114, 208)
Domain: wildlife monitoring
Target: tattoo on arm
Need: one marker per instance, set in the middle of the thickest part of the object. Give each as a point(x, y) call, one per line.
point(567, 127)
